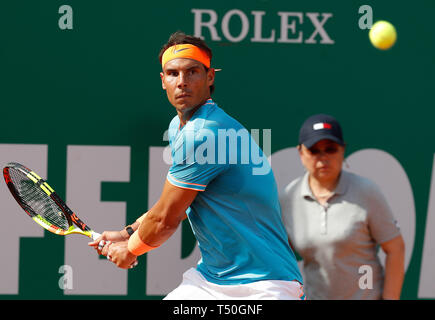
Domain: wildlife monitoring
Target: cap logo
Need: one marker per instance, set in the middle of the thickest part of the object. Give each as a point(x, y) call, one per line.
point(322, 125)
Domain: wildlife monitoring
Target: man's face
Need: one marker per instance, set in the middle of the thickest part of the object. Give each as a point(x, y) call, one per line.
point(187, 83)
point(323, 160)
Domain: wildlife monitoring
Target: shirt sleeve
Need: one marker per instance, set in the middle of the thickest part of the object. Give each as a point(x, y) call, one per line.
point(382, 224)
point(194, 160)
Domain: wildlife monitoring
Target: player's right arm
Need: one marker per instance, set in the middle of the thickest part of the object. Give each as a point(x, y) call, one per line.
point(112, 236)
point(156, 226)
point(162, 220)
point(166, 215)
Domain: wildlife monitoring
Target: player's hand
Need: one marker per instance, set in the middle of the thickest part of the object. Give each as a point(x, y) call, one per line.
point(104, 240)
point(118, 253)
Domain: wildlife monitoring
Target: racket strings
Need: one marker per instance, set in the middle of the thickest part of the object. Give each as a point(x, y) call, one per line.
point(37, 200)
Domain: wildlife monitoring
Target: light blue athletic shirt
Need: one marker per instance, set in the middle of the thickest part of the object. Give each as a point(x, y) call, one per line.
point(236, 216)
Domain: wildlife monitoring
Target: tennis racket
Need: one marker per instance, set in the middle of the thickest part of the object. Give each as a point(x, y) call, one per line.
point(42, 203)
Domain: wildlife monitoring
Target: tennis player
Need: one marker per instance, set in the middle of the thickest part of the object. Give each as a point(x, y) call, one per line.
point(234, 212)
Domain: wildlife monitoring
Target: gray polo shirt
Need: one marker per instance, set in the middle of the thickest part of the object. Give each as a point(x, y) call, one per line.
point(337, 239)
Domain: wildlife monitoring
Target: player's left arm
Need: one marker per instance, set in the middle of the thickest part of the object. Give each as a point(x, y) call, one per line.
point(394, 267)
point(159, 223)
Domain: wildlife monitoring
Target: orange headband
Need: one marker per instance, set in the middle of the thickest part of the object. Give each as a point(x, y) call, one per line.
point(188, 51)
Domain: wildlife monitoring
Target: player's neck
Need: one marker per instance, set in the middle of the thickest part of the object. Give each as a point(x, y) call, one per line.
point(186, 115)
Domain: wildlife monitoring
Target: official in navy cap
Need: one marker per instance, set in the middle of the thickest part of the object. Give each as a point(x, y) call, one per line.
point(335, 220)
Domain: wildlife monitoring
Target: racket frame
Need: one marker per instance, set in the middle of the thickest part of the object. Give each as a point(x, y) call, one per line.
point(41, 183)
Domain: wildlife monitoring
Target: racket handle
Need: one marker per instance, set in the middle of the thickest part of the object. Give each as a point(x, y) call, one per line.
point(95, 235)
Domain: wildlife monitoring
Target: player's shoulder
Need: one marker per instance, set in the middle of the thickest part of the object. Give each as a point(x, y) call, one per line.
point(175, 122)
point(214, 118)
point(174, 125)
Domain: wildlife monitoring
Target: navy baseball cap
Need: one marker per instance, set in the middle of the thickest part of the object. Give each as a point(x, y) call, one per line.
point(320, 127)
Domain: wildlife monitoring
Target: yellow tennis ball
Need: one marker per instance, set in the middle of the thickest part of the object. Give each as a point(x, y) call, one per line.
point(383, 35)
